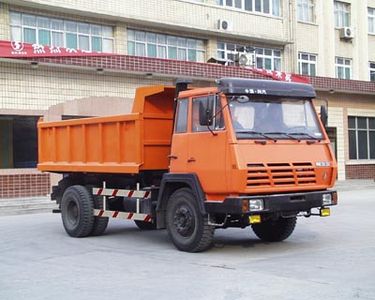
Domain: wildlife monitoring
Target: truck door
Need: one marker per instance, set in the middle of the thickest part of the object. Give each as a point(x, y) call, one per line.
point(179, 149)
point(207, 151)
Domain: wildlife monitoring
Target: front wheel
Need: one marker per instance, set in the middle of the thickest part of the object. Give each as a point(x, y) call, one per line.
point(187, 227)
point(275, 230)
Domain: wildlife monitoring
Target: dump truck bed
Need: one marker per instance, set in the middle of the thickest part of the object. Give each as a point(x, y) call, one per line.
point(115, 144)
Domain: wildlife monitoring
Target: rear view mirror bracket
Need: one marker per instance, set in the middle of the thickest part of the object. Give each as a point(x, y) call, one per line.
point(324, 115)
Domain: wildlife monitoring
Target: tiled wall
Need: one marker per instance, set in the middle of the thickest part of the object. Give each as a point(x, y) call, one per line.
point(24, 185)
point(360, 171)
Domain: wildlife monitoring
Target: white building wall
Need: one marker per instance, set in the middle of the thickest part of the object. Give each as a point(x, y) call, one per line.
point(24, 88)
point(336, 118)
point(201, 17)
point(4, 22)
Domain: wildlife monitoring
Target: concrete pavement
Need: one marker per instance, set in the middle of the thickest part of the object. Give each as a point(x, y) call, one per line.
point(325, 258)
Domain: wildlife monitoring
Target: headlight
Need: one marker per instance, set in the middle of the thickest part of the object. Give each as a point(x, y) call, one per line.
point(327, 199)
point(256, 204)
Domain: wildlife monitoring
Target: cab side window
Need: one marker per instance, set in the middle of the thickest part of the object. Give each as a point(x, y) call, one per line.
point(217, 122)
point(181, 116)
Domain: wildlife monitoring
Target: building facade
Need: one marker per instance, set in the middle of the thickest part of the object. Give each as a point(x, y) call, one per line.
point(332, 42)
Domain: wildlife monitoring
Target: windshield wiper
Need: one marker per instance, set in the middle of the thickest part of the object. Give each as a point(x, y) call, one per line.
point(254, 132)
point(283, 133)
point(305, 134)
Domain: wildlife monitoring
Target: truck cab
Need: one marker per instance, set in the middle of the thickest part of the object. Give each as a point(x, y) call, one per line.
point(252, 137)
point(258, 152)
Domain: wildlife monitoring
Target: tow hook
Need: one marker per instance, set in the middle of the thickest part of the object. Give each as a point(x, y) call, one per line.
point(306, 214)
point(323, 212)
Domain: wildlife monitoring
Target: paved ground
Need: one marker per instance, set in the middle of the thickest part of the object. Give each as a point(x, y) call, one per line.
point(31, 205)
point(331, 258)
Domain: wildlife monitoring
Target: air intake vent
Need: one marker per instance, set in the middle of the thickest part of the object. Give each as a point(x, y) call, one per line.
point(280, 174)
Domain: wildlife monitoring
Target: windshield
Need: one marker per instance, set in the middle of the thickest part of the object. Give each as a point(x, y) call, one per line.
point(273, 118)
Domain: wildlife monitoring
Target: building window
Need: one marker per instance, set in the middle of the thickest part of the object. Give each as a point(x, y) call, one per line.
point(343, 68)
point(151, 44)
point(307, 63)
point(342, 14)
point(265, 58)
point(268, 59)
point(371, 20)
point(305, 11)
point(372, 71)
point(361, 137)
point(268, 7)
point(60, 33)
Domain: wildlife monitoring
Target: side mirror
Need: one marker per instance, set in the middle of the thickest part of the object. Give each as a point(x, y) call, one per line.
point(206, 110)
point(324, 115)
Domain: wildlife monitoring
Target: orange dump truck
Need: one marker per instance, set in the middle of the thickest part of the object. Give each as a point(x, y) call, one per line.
point(243, 153)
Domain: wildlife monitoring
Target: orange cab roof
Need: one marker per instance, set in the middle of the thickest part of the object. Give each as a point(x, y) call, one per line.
point(198, 91)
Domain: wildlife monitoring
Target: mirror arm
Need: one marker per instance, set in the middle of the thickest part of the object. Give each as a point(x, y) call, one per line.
point(219, 111)
point(209, 129)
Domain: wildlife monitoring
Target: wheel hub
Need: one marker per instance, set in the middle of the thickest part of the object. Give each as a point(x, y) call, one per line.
point(72, 213)
point(184, 221)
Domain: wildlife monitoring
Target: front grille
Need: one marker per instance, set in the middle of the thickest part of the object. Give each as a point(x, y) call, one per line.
point(280, 174)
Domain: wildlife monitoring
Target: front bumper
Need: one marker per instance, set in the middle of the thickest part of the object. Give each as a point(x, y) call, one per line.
point(278, 203)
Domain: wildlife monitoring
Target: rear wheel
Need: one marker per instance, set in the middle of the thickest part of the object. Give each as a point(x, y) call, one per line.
point(275, 230)
point(100, 223)
point(77, 211)
point(187, 227)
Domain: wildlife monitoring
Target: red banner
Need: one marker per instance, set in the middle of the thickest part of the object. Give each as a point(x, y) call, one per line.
point(13, 49)
point(281, 76)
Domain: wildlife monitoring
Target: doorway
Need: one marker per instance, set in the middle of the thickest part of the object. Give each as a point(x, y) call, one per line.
point(18, 142)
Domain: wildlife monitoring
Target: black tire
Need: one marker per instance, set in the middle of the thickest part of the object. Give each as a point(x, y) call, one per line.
point(100, 223)
point(275, 230)
point(77, 211)
point(145, 225)
point(187, 228)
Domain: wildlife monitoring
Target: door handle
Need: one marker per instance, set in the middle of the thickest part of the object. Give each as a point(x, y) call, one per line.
point(191, 159)
point(171, 156)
